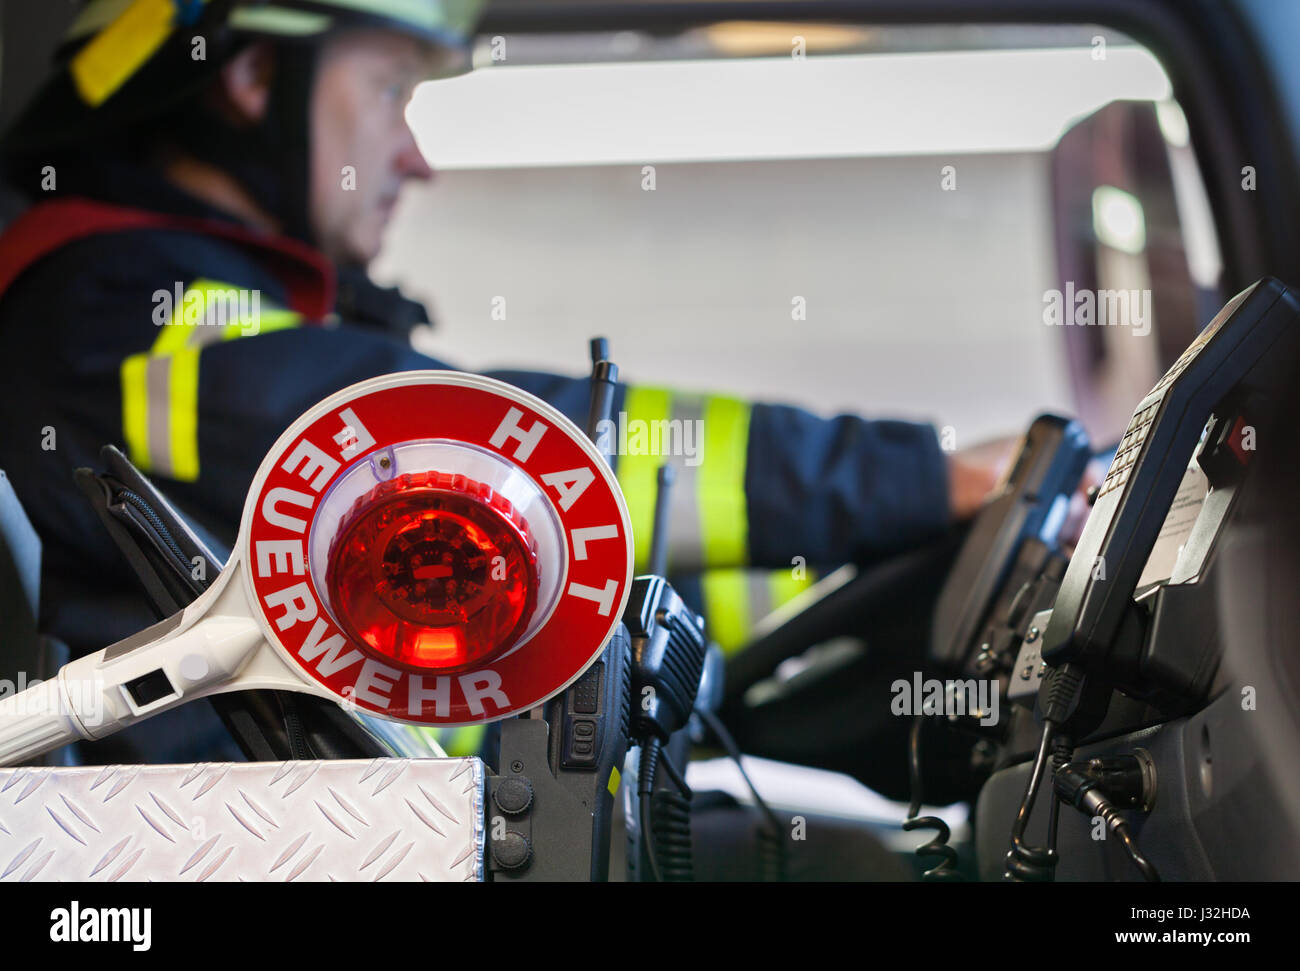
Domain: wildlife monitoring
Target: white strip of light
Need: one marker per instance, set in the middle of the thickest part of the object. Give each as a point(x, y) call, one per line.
point(951, 103)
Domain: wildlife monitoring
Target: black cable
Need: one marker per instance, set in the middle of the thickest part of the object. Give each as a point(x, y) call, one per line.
point(1082, 789)
point(665, 819)
point(649, 771)
point(1031, 863)
point(1062, 749)
point(733, 750)
point(771, 839)
point(1145, 866)
point(667, 764)
point(946, 869)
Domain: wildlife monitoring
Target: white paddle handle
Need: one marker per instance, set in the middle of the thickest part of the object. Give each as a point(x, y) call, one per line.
point(34, 721)
point(104, 692)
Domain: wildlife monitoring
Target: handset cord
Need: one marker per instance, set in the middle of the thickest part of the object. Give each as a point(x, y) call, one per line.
point(1033, 864)
point(946, 869)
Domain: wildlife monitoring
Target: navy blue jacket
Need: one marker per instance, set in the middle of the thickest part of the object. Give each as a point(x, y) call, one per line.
point(85, 345)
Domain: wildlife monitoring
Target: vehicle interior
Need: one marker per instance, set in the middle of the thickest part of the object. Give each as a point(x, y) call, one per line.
point(1068, 221)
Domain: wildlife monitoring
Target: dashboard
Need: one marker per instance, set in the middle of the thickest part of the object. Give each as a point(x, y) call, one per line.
point(1156, 637)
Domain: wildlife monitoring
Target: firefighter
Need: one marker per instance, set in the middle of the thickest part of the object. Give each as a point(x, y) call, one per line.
point(208, 181)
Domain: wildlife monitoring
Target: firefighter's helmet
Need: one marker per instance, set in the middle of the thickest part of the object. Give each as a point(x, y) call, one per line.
point(115, 39)
point(132, 68)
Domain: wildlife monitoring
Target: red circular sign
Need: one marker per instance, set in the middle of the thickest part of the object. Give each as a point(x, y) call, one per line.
point(328, 443)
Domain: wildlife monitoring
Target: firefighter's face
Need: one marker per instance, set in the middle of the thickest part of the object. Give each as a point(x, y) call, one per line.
point(362, 150)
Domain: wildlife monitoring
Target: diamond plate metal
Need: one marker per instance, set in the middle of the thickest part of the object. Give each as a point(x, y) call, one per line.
point(384, 819)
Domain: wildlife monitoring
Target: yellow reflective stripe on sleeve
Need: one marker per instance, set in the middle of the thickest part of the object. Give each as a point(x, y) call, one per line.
point(615, 777)
point(172, 336)
point(709, 514)
point(427, 735)
point(464, 741)
point(183, 406)
point(638, 473)
point(726, 608)
point(135, 409)
point(209, 311)
point(736, 600)
point(268, 321)
point(160, 389)
point(724, 513)
point(455, 742)
point(784, 586)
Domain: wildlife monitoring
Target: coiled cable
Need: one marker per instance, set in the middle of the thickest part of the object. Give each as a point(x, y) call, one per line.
point(670, 826)
point(945, 870)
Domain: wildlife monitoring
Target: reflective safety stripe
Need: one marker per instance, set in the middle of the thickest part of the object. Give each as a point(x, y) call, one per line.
point(724, 513)
point(638, 473)
point(784, 585)
point(425, 736)
point(135, 408)
point(118, 51)
point(455, 742)
point(183, 404)
point(160, 389)
point(706, 440)
point(726, 608)
point(685, 532)
point(209, 312)
point(735, 601)
point(464, 741)
point(160, 401)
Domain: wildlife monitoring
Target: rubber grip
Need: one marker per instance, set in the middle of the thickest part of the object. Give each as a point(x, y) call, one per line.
point(34, 721)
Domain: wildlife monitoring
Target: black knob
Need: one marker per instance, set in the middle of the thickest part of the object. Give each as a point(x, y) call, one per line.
point(512, 851)
point(513, 795)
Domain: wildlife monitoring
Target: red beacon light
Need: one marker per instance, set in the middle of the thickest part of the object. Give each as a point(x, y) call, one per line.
point(436, 556)
point(431, 547)
point(433, 570)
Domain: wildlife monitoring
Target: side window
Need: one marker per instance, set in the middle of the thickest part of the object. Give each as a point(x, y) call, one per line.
point(1136, 254)
point(880, 220)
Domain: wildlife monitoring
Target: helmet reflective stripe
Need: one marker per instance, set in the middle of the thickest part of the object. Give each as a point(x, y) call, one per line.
point(279, 21)
point(117, 52)
point(436, 18)
point(449, 23)
point(124, 34)
point(94, 16)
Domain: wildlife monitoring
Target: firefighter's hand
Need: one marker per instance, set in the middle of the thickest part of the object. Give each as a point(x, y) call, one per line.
point(974, 471)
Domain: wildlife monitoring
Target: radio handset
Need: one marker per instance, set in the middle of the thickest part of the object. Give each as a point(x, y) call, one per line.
point(1032, 504)
point(1099, 584)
